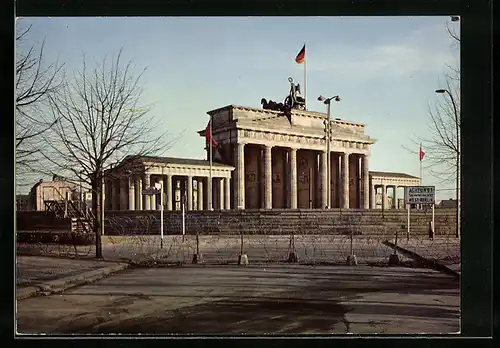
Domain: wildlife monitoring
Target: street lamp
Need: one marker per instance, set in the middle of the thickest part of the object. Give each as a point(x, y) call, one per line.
point(328, 139)
point(442, 91)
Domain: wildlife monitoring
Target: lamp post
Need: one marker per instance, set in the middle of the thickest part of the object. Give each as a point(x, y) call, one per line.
point(328, 139)
point(102, 202)
point(457, 192)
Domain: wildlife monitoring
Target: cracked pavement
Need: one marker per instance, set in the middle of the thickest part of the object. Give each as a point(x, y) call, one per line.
point(256, 299)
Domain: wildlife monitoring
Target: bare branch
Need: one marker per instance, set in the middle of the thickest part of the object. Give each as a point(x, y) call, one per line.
point(100, 122)
point(35, 83)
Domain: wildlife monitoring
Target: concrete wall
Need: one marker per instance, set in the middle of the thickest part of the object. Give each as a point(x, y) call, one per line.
point(334, 221)
point(40, 221)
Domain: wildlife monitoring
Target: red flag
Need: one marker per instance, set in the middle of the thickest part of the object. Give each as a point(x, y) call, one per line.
point(421, 154)
point(301, 57)
point(208, 135)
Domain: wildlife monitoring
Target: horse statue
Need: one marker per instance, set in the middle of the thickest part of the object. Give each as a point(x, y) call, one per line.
point(293, 101)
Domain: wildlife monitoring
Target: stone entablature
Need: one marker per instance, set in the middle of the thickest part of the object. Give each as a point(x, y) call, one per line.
point(244, 125)
point(388, 181)
point(301, 122)
point(190, 170)
point(284, 139)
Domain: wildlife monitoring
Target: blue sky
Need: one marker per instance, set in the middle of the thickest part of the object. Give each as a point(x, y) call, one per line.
point(384, 68)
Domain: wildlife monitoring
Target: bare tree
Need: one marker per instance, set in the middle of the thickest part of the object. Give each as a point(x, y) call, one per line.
point(100, 122)
point(441, 144)
point(35, 83)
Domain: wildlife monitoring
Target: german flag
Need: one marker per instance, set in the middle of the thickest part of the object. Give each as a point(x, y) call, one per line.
point(209, 136)
point(301, 57)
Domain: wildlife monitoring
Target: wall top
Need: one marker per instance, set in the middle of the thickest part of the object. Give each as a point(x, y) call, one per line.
point(306, 123)
point(392, 175)
point(142, 163)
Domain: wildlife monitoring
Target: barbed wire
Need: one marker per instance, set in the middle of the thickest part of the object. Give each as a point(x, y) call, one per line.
point(313, 237)
point(266, 239)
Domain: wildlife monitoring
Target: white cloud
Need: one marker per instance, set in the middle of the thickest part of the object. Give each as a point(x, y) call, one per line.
point(426, 50)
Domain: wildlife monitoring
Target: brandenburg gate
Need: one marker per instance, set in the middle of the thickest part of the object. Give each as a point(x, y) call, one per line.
point(280, 160)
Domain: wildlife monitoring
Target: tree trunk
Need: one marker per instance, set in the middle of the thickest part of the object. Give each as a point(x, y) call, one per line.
point(96, 208)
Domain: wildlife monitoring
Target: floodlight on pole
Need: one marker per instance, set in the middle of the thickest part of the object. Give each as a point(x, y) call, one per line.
point(328, 139)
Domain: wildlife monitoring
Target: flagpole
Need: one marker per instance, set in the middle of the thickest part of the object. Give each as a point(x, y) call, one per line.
point(210, 176)
point(420, 159)
point(305, 80)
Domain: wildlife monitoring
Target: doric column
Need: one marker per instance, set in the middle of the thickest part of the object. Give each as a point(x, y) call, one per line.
point(131, 193)
point(373, 191)
point(168, 192)
point(200, 193)
point(221, 193)
point(384, 196)
point(160, 198)
point(268, 178)
point(153, 197)
point(138, 193)
point(293, 178)
point(239, 188)
point(145, 184)
point(123, 193)
point(103, 193)
point(324, 179)
point(345, 180)
point(189, 193)
point(227, 193)
point(366, 182)
point(394, 197)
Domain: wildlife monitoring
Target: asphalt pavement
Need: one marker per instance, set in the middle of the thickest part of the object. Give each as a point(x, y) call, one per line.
point(256, 299)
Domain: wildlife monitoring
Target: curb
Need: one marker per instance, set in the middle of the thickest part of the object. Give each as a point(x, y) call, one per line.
point(429, 263)
point(59, 285)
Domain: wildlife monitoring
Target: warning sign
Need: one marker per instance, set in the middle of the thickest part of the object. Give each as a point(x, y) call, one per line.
point(420, 195)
